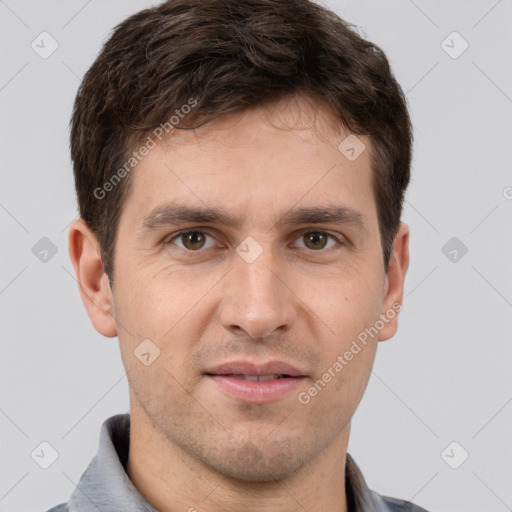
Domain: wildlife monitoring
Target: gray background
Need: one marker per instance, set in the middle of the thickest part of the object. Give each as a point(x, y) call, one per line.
point(444, 377)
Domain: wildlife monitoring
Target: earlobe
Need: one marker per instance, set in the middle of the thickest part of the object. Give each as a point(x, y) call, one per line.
point(93, 283)
point(398, 265)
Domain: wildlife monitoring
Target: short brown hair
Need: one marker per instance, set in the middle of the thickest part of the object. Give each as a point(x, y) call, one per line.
point(228, 56)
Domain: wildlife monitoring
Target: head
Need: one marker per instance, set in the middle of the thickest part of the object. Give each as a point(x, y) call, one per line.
point(230, 120)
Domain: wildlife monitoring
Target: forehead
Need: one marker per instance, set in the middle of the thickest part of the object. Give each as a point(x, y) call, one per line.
point(261, 160)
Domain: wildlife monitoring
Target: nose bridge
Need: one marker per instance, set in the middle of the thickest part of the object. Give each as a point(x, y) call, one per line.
point(255, 298)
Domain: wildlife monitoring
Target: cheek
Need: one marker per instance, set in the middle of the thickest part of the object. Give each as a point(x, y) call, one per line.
point(347, 302)
point(335, 393)
point(153, 298)
point(156, 320)
point(348, 306)
point(170, 308)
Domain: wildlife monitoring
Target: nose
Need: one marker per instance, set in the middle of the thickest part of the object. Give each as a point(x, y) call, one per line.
point(257, 297)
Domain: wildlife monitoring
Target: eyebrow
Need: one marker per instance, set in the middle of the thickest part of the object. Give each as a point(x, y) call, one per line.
point(172, 214)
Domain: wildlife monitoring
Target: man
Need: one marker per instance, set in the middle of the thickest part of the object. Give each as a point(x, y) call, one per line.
point(240, 169)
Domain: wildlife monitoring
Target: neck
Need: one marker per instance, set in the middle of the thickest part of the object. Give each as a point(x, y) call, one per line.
point(172, 480)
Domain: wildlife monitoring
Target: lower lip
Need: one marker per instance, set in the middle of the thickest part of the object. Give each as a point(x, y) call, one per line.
point(257, 391)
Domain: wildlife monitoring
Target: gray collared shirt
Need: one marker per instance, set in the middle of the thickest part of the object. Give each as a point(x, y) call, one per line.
point(105, 486)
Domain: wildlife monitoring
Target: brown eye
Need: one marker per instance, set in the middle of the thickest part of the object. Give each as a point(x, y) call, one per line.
point(192, 240)
point(317, 240)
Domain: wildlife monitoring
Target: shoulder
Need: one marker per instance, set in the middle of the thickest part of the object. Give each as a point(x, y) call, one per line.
point(394, 505)
point(63, 507)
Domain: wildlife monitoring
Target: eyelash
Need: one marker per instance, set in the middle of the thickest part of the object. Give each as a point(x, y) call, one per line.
point(170, 241)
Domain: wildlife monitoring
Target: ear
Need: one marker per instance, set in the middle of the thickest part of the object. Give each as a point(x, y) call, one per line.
point(394, 284)
point(94, 286)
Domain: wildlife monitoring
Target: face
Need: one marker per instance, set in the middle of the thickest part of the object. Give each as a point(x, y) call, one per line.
point(279, 275)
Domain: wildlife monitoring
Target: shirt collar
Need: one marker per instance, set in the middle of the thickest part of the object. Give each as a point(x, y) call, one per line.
point(106, 486)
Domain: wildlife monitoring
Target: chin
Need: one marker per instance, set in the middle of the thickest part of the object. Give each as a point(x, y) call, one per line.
point(251, 463)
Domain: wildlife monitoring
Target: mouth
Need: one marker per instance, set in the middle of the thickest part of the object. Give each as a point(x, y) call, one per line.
point(274, 376)
point(256, 383)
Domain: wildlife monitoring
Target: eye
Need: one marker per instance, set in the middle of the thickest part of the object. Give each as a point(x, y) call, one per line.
point(317, 240)
point(195, 241)
point(191, 240)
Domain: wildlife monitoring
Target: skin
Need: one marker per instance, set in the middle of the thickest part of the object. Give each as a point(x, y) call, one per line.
point(192, 446)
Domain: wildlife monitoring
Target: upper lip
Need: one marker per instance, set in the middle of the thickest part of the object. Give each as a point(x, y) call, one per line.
point(252, 368)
